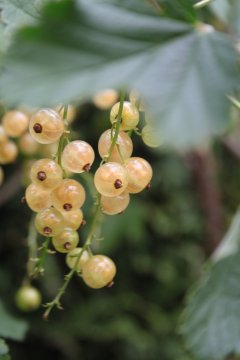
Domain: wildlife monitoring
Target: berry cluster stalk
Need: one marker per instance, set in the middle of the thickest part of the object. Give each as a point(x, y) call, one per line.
point(56, 301)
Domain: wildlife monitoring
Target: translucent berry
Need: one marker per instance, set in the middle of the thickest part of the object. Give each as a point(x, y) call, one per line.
point(66, 241)
point(105, 99)
point(49, 222)
point(136, 100)
point(37, 198)
point(111, 179)
point(15, 123)
point(8, 152)
point(71, 258)
point(3, 135)
point(1, 175)
point(73, 219)
point(28, 145)
point(98, 271)
point(46, 126)
point(130, 115)
point(115, 205)
point(46, 173)
point(68, 195)
point(139, 174)
point(124, 146)
point(77, 156)
point(71, 113)
point(28, 298)
point(149, 137)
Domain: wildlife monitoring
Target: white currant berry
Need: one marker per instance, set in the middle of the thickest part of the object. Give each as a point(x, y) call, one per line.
point(37, 198)
point(68, 195)
point(28, 145)
point(71, 258)
point(139, 174)
point(111, 179)
point(28, 298)
point(98, 271)
point(149, 137)
point(49, 222)
point(46, 173)
point(129, 118)
point(122, 150)
point(15, 123)
point(46, 126)
point(115, 205)
point(1, 175)
point(71, 112)
point(73, 219)
point(136, 100)
point(77, 156)
point(66, 241)
point(8, 152)
point(105, 99)
point(3, 135)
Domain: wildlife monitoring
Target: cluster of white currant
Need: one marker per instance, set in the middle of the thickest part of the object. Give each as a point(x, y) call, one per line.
point(57, 198)
point(14, 125)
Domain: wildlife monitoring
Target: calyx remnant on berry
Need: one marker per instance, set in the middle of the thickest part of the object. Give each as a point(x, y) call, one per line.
point(37, 128)
point(67, 207)
point(47, 230)
point(118, 184)
point(41, 175)
point(67, 246)
point(87, 167)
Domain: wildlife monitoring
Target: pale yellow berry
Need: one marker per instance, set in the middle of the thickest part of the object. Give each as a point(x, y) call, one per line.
point(71, 258)
point(66, 241)
point(111, 179)
point(77, 156)
point(139, 174)
point(122, 150)
point(105, 99)
point(98, 271)
point(115, 205)
point(37, 198)
point(149, 137)
point(8, 152)
point(129, 118)
point(28, 145)
point(15, 123)
point(46, 126)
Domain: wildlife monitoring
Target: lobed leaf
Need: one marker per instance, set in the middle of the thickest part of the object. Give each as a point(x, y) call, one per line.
point(183, 72)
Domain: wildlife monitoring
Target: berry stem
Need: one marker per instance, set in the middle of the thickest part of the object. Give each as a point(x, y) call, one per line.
point(62, 139)
point(68, 277)
point(35, 262)
point(38, 268)
point(116, 126)
point(32, 251)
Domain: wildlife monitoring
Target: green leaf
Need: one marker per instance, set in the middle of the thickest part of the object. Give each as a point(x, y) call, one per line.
point(212, 318)
point(230, 245)
point(229, 12)
point(211, 321)
point(5, 357)
point(11, 327)
point(16, 13)
point(4, 349)
point(182, 72)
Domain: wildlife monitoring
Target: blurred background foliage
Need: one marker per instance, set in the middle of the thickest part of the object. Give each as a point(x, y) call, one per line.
point(159, 245)
point(161, 242)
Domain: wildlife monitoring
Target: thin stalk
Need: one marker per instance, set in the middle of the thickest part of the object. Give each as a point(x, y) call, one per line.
point(62, 139)
point(116, 127)
point(32, 251)
point(68, 277)
point(38, 268)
